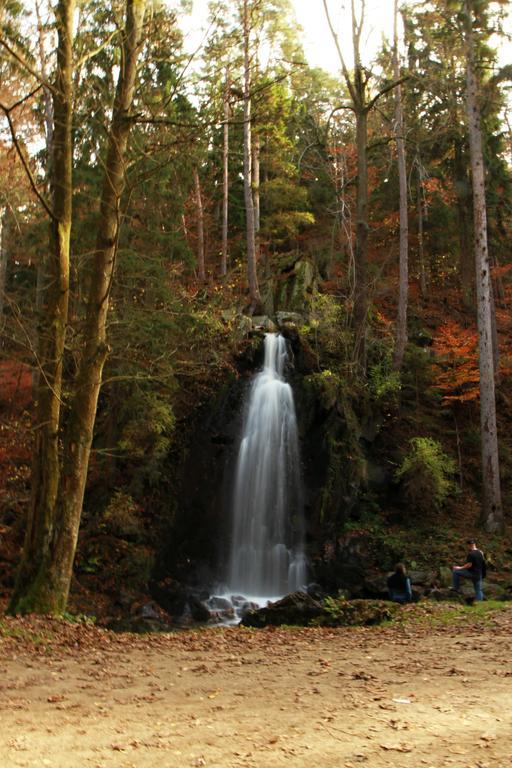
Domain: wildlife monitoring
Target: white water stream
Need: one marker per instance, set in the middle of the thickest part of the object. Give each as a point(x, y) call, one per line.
point(267, 556)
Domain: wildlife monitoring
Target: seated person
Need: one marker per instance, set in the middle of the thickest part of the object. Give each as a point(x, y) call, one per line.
point(399, 585)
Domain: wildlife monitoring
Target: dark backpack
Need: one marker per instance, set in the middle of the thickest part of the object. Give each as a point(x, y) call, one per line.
point(484, 565)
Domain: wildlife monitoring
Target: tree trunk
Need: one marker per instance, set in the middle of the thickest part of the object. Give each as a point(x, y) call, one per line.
point(201, 273)
point(34, 589)
point(225, 182)
point(83, 408)
point(42, 264)
point(401, 326)
point(256, 188)
point(48, 588)
point(357, 88)
point(421, 243)
point(3, 260)
point(463, 193)
point(254, 291)
point(492, 509)
point(47, 97)
point(361, 279)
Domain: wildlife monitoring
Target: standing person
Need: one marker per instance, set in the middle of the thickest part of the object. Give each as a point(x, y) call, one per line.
point(399, 585)
point(474, 568)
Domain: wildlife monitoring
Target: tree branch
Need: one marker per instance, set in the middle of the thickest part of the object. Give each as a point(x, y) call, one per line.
point(7, 112)
point(97, 50)
point(386, 89)
point(344, 69)
point(19, 58)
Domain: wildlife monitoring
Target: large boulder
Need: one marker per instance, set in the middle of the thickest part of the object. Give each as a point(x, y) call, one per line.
point(298, 608)
point(301, 609)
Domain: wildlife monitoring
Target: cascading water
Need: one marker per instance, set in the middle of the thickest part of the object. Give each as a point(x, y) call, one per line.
point(267, 558)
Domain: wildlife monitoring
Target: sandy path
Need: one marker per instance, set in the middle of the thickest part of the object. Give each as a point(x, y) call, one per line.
point(341, 698)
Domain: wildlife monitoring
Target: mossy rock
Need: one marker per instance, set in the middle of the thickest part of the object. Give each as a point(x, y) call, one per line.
point(330, 425)
point(300, 609)
point(293, 289)
point(356, 613)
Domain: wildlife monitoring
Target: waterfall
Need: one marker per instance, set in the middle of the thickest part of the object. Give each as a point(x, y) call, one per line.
point(267, 557)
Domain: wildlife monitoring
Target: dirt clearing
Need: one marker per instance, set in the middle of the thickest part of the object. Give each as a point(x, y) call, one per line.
point(72, 695)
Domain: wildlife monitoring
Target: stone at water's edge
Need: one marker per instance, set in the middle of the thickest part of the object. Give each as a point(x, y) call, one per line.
point(264, 323)
point(297, 608)
point(290, 318)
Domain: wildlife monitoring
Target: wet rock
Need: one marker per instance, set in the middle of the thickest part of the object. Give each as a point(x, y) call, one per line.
point(198, 610)
point(315, 591)
point(242, 605)
point(219, 604)
point(246, 607)
point(238, 599)
point(221, 609)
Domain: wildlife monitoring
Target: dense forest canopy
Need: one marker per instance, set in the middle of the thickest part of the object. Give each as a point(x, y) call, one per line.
point(153, 201)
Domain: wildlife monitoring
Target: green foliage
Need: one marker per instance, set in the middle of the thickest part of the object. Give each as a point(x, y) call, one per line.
point(122, 516)
point(418, 372)
point(426, 474)
point(284, 209)
point(150, 427)
point(382, 379)
point(79, 618)
point(326, 329)
point(325, 387)
point(146, 435)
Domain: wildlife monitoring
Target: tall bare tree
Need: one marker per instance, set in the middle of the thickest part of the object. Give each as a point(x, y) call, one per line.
point(3, 257)
point(403, 289)
point(254, 291)
point(225, 177)
point(361, 104)
point(201, 272)
point(492, 507)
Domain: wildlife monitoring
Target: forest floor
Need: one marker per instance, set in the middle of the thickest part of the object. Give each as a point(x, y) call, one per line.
point(423, 692)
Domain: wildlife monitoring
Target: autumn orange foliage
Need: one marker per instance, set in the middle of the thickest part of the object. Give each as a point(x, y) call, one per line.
point(455, 349)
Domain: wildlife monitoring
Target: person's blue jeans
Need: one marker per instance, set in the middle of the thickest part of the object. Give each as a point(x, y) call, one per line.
point(465, 574)
point(401, 597)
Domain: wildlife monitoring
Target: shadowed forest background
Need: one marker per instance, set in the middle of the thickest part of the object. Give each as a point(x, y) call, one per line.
point(158, 216)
